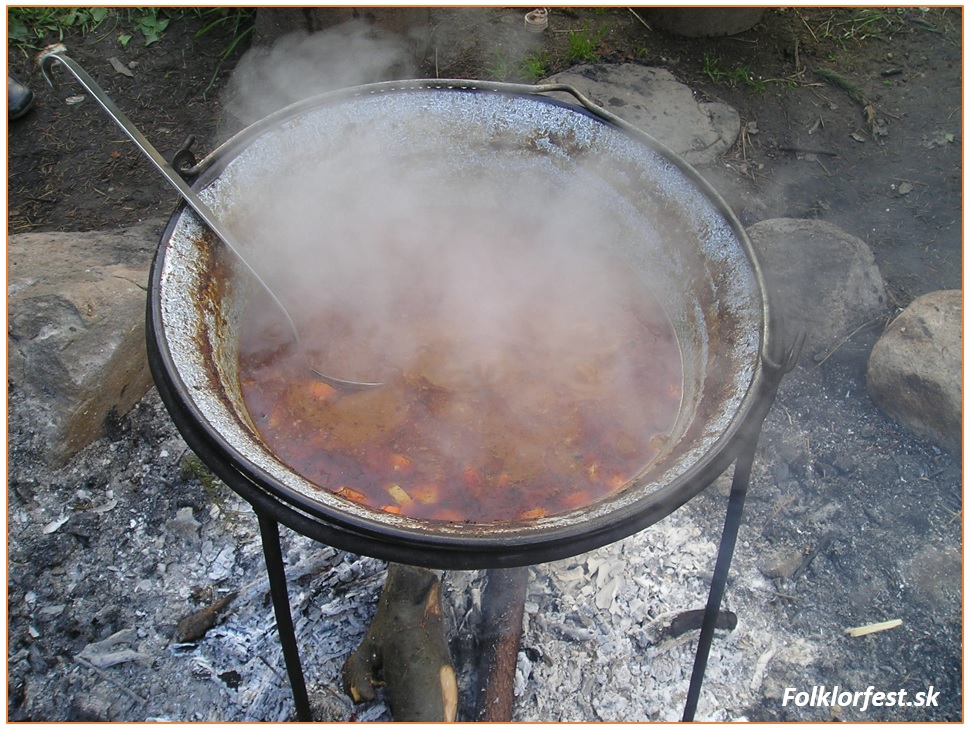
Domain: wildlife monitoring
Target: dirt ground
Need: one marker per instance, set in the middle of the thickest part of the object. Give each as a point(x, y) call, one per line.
point(850, 116)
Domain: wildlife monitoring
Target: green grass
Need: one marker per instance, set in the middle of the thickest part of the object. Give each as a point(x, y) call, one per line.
point(860, 25)
point(734, 77)
point(844, 84)
point(531, 68)
point(582, 45)
point(536, 66)
point(582, 48)
point(239, 20)
point(193, 467)
point(500, 68)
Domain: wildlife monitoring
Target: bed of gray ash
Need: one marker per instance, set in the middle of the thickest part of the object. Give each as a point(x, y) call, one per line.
point(850, 521)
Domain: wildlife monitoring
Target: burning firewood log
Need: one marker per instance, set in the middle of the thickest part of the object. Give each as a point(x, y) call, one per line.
point(503, 620)
point(405, 651)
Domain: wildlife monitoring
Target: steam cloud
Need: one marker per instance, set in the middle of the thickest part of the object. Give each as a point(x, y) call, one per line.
point(480, 253)
point(301, 65)
point(490, 258)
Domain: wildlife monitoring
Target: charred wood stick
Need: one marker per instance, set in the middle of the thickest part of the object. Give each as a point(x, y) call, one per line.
point(794, 149)
point(503, 620)
point(692, 620)
point(819, 547)
point(923, 23)
point(198, 624)
point(194, 627)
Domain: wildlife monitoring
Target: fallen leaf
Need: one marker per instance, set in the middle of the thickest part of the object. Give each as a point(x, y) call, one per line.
point(71, 100)
point(121, 67)
point(196, 625)
point(938, 139)
point(110, 504)
point(55, 525)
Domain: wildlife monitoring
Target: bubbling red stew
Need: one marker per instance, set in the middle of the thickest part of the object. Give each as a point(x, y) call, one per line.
point(549, 406)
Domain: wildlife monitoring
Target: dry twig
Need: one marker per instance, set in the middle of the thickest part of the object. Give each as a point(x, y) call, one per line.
point(641, 20)
point(872, 628)
point(110, 679)
point(844, 340)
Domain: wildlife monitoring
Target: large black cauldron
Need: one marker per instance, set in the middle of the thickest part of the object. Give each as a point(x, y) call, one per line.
point(679, 235)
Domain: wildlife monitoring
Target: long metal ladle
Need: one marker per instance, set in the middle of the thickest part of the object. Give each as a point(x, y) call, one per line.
point(57, 55)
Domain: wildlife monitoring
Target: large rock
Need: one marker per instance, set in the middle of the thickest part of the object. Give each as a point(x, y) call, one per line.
point(76, 328)
point(914, 373)
point(824, 280)
point(272, 23)
point(702, 22)
point(657, 103)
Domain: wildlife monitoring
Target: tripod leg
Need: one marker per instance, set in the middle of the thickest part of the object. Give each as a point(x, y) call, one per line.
point(737, 497)
point(270, 533)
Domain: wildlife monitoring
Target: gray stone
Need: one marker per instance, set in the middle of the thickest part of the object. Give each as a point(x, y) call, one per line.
point(94, 707)
point(702, 22)
point(76, 328)
point(653, 100)
point(914, 373)
point(184, 524)
point(935, 574)
point(822, 279)
point(781, 565)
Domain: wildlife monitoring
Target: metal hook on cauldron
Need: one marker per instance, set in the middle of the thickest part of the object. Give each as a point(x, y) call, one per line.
point(789, 357)
point(56, 54)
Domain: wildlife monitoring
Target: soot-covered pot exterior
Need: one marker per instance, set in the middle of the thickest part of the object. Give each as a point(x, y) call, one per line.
point(673, 230)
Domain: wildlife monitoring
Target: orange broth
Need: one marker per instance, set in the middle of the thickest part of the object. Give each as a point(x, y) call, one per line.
point(463, 429)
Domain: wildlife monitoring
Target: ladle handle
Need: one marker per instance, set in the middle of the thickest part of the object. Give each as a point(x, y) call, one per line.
point(56, 55)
